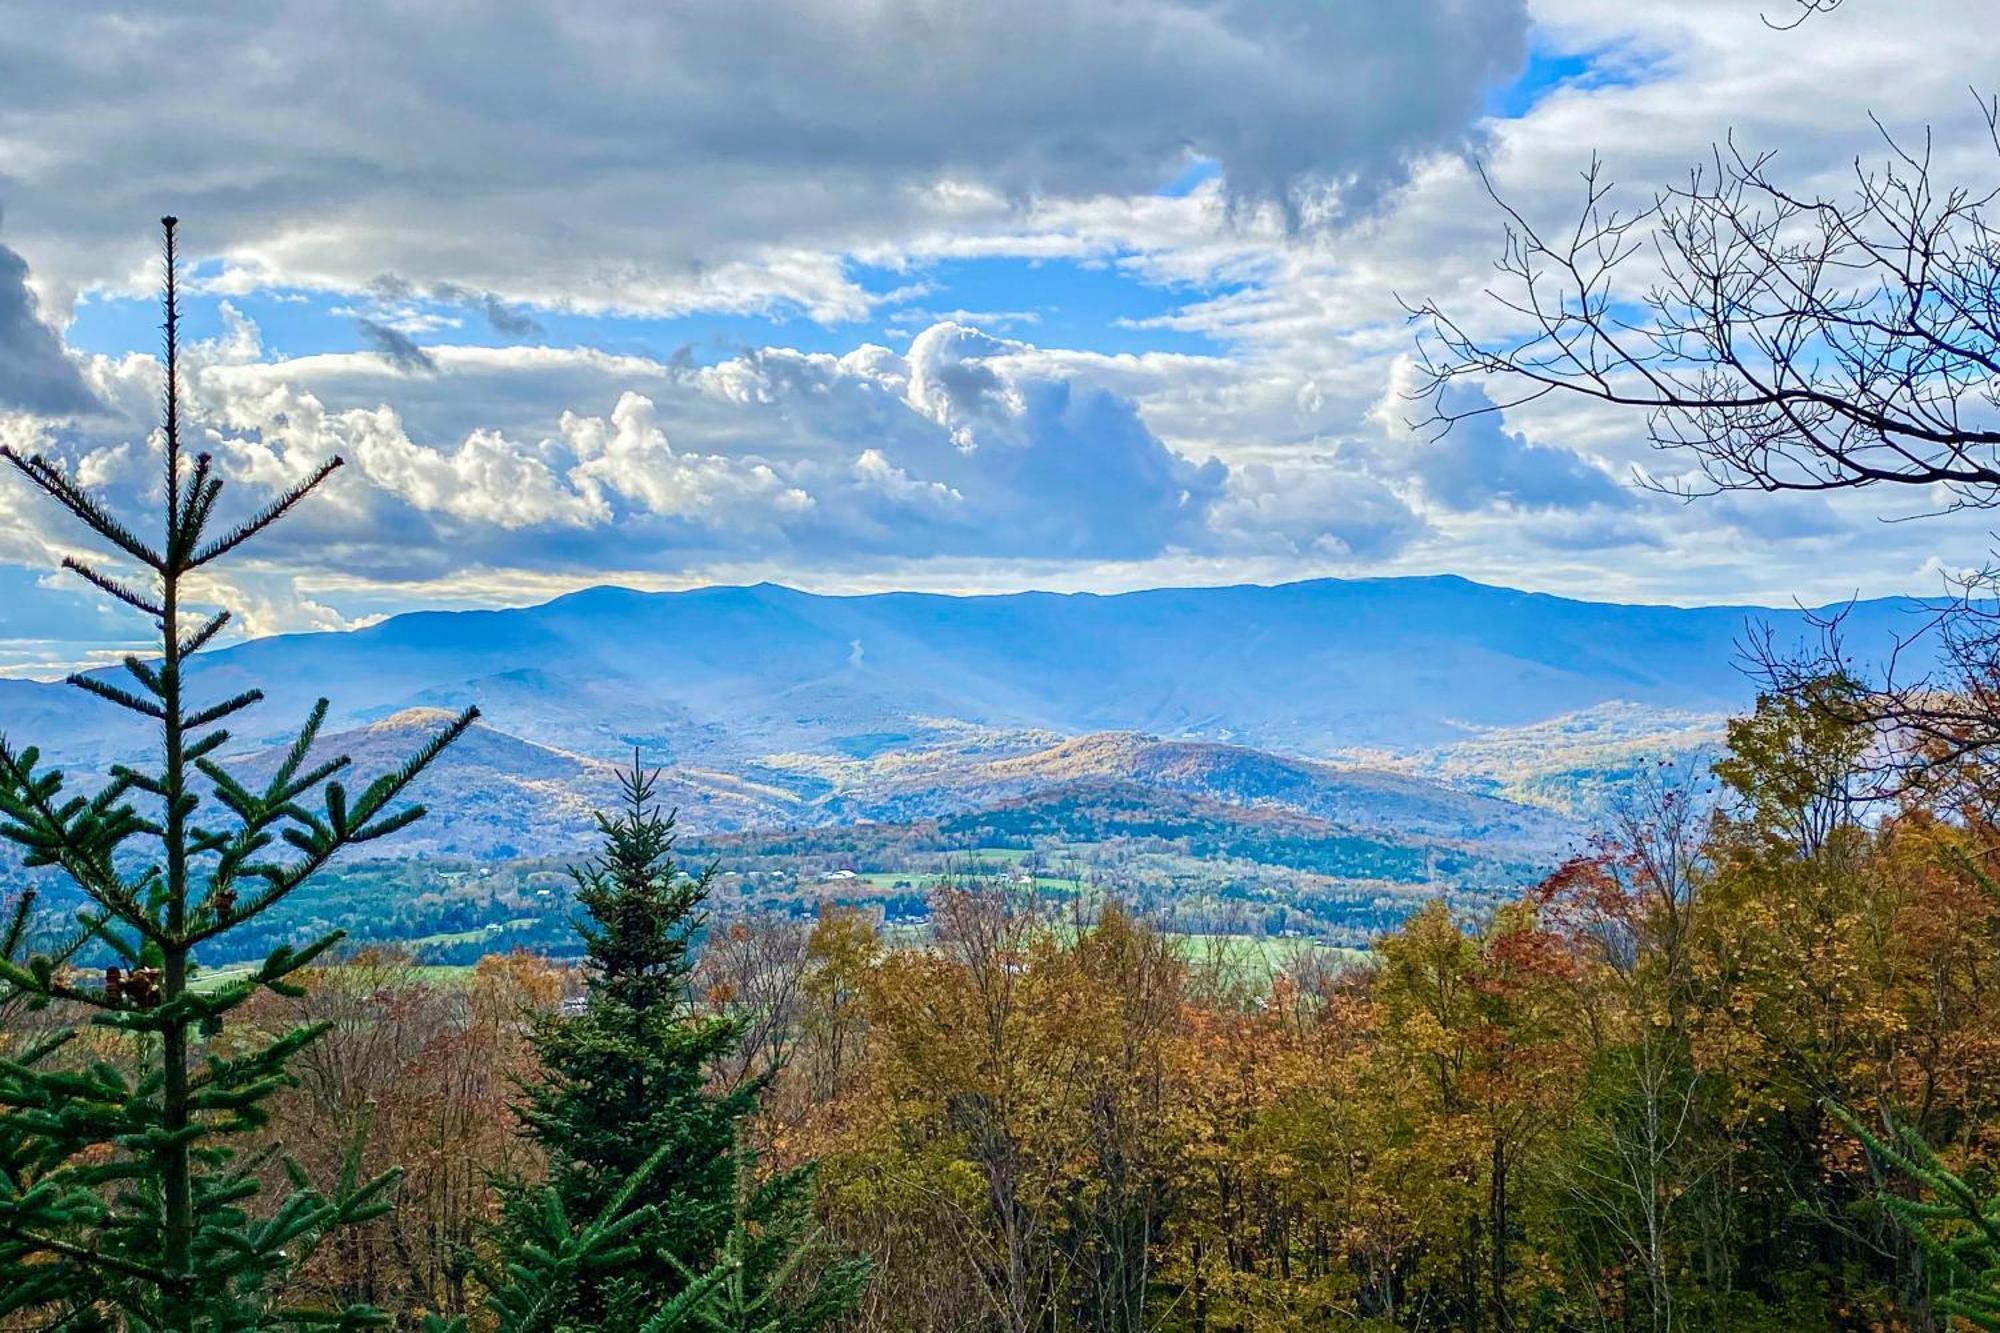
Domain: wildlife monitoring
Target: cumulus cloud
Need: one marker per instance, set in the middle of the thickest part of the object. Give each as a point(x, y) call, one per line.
point(628, 454)
point(1481, 463)
point(872, 468)
point(1324, 510)
point(483, 477)
point(1083, 472)
point(1478, 463)
point(965, 445)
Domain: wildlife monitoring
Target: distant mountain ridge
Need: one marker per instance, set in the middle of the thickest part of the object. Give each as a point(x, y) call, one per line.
point(734, 674)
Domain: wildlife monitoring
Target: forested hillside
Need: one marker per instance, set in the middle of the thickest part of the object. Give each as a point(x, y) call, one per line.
point(1618, 1097)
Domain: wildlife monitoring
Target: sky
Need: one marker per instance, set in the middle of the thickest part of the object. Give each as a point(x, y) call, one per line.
point(867, 294)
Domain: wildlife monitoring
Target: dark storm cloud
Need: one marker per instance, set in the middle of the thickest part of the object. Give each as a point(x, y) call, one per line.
point(631, 153)
point(35, 374)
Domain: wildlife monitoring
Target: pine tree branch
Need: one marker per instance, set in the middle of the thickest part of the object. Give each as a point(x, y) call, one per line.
point(122, 697)
point(91, 1258)
point(321, 840)
point(28, 980)
point(40, 967)
point(82, 505)
point(112, 587)
point(216, 712)
point(17, 924)
point(270, 514)
point(145, 675)
point(198, 501)
point(55, 840)
point(197, 640)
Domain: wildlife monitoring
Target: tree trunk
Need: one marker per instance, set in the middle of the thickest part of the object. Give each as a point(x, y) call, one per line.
point(1497, 1227)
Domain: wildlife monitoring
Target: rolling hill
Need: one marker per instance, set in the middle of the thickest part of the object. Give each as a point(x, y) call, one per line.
point(497, 797)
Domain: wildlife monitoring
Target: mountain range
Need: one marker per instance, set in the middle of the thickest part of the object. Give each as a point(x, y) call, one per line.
point(1430, 705)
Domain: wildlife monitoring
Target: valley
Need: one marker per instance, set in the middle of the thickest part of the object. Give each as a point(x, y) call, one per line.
point(1260, 760)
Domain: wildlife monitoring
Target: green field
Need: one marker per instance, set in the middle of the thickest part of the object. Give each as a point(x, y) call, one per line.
point(1255, 959)
point(439, 974)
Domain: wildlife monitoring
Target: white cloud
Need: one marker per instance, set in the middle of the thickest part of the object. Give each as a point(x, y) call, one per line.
point(965, 446)
point(873, 468)
point(484, 477)
point(1478, 463)
point(1321, 509)
point(629, 455)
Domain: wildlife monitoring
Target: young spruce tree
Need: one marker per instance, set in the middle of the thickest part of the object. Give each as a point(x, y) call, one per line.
point(124, 1201)
point(625, 1096)
point(1956, 1226)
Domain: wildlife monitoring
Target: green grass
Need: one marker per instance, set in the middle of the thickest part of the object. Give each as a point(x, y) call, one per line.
point(922, 881)
point(1255, 959)
point(435, 974)
point(486, 932)
point(889, 879)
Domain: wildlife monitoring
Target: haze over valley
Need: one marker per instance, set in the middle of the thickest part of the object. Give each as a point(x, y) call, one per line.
point(1342, 749)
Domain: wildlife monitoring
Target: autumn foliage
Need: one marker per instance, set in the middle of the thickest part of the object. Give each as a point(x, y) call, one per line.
point(1660, 1091)
point(1609, 1105)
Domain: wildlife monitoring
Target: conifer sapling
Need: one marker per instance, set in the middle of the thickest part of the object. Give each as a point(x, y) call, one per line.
point(126, 1199)
point(626, 1097)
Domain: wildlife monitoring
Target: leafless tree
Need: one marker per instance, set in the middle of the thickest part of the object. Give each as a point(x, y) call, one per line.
point(1780, 341)
point(753, 971)
point(1787, 342)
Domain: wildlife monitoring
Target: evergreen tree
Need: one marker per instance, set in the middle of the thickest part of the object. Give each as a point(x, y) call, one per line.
point(1957, 1227)
point(123, 1200)
point(757, 1283)
point(626, 1077)
point(549, 1260)
point(625, 1092)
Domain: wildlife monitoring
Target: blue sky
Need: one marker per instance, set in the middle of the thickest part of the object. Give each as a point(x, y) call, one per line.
point(1082, 297)
point(1088, 304)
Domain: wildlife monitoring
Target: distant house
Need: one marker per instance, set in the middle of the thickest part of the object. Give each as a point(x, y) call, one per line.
point(836, 876)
